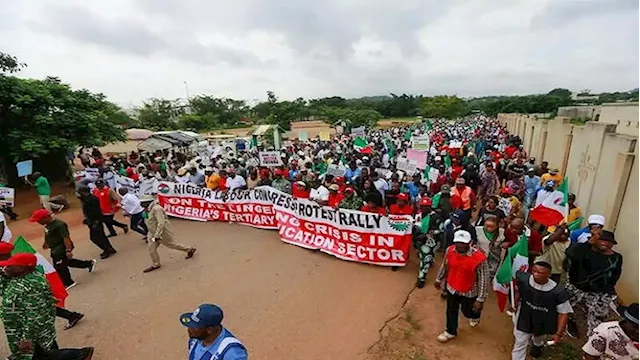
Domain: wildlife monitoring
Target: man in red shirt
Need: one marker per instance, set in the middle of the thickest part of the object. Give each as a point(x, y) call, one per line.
point(299, 190)
point(456, 169)
point(515, 230)
point(335, 197)
point(401, 207)
point(109, 203)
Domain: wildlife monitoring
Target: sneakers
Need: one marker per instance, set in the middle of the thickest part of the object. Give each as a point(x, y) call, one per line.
point(444, 337)
point(190, 253)
point(93, 265)
point(474, 322)
point(126, 229)
point(71, 286)
point(151, 268)
point(420, 283)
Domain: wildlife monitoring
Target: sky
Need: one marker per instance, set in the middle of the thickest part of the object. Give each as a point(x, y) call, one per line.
point(132, 50)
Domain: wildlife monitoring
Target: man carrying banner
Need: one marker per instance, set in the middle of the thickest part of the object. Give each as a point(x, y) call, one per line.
point(160, 233)
point(467, 280)
point(543, 308)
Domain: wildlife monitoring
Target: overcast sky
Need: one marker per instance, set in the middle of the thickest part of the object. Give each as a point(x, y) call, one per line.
point(132, 50)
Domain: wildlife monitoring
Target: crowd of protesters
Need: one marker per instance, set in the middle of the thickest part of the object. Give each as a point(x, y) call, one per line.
point(470, 199)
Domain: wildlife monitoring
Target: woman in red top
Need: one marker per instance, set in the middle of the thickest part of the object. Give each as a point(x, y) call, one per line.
point(374, 204)
point(300, 190)
point(401, 207)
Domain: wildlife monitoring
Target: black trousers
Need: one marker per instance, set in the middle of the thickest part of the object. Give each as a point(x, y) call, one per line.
point(455, 303)
point(62, 264)
point(111, 222)
point(57, 354)
point(97, 236)
point(138, 225)
point(65, 314)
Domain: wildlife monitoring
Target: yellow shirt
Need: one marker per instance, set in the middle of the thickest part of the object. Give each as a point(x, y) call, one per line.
point(557, 178)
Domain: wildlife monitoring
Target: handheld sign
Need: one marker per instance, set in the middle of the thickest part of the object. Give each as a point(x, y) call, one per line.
point(270, 158)
point(406, 165)
point(336, 170)
point(7, 196)
point(419, 156)
point(359, 131)
point(325, 136)
point(24, 168)
point(420, 142)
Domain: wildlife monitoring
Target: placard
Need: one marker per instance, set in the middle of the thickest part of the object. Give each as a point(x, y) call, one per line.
point(419, 156)
point(359, 131)
point(325, 136)
point(420, 142)
point(505, 205)
point(270, 158)
point(382, 172)
point(25, 168)
point(433, 174)
point(336, 170)
point(92, 173)
point(7, 196)
point(302, 135)
point(408, 166)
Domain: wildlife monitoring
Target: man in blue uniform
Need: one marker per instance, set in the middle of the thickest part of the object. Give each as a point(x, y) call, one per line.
point(208, 339)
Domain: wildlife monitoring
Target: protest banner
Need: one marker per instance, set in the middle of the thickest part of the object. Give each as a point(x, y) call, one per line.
point(383, 172)
point(302, 135)
point(325, 136)
point(270, 158)
point(7, 196)
point(420, 142)
point(128, 183)
point(24, 168)
point(92, 173)
point(419, 156)
point(345, 234)
point(359, 131)
point(336, 170)
point(148, 186)
point(408, 166)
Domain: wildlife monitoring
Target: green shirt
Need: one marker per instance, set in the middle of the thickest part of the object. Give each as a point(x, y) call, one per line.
point(54, 234)
point(28, 312)
point(42, 186)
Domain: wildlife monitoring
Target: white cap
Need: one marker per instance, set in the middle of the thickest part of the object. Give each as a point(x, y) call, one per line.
point(438, 158)
point(596, 219)
point(301, 153)
point(462, 236)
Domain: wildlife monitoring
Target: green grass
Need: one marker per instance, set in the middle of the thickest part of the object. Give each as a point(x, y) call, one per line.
point(410, 318)
point(562, 351)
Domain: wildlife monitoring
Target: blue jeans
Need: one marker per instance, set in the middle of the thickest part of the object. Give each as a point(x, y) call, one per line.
point(138, 225)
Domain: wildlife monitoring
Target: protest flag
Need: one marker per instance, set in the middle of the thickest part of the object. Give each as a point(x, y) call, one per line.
point(517, 258)
point(407, 135)
point(391, 149)
point(361, 146)
point(428, 125)
point(555, 208)
point(55, 283)
point(447, 162)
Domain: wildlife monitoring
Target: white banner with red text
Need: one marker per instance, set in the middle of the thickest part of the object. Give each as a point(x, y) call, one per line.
point(346, 234)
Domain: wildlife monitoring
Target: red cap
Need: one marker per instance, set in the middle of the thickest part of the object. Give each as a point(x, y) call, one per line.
point(425, 201)
point(348, 189)
point(403, 196)
point(6, 248)
point(339, 180)
point(506, 190)
point(39, 215)
point(21, 259)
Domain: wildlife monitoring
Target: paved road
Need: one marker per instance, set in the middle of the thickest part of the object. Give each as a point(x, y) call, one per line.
point(283, 301)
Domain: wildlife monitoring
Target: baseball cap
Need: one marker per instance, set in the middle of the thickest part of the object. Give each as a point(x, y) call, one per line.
point(445, 187)
point(554, 171)
point(608, 236)
point(206, 315)
point(596, 219)
point(21, 259)
point(425, 201)
point(403, 196)
point(39, 215)
point(6, 248)
point(462, 236)
point(334, 187)
point(457, 215)
point(348, 190)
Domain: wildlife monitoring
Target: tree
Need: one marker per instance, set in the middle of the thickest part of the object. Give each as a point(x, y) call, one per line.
point(159, 114)
point(43, 116)
point(559, 92)
point(10, 64)
point(443, 106)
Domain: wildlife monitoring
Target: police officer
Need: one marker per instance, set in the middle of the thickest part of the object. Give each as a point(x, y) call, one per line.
point(208, 339)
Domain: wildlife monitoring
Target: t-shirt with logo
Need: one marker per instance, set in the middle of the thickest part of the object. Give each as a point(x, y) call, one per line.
point(54, 234)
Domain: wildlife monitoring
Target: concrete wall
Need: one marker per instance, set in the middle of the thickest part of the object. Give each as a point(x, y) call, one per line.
point(582, 112)
point(599, 158)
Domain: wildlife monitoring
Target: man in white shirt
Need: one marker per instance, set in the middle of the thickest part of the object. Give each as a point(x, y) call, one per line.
point(5, 233)
point(615, 339)
point(320, 194)
point(381, 184)
point(131, 207)
point(235, 181)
